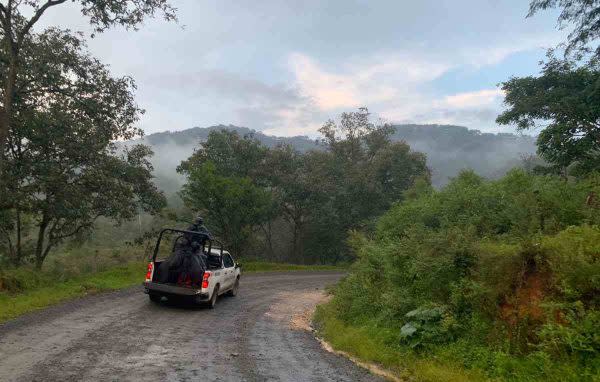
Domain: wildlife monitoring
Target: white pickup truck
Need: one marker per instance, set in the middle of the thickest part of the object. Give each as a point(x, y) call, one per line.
point(220, 276)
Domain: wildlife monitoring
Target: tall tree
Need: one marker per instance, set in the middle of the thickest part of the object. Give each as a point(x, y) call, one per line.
point(370, 171)
point(355, 132)
point(63, 166)
point(321, 194)
point(288, 179)
point(224, 182)
point(233, 205)
point(361, 175)
point(563, 99)
point(565, 102)
point(17, 20)
point(231, 154)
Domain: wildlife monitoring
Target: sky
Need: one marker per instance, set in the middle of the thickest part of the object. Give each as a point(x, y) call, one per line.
point(286, 67)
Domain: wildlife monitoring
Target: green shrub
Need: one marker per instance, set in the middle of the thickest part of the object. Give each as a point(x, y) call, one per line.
point(15, 280)
point(573, 257)
point(576, 334)
point(491, 269)
point(428, 324)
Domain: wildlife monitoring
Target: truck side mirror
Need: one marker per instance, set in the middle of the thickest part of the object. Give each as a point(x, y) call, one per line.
point(238, 265)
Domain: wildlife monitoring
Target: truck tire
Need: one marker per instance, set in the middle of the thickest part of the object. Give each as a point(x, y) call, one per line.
point(234, 291)
point(213, 299)
point(155, 298)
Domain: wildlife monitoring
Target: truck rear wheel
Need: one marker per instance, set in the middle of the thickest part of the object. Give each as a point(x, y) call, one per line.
point(154, 297)
point(213, 299)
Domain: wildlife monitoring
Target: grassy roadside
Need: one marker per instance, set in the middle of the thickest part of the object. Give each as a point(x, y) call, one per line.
point(38, 290)
point(377, 345)
point(38, 297)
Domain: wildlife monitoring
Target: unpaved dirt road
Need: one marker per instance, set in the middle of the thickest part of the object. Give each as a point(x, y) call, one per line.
point(257, 336)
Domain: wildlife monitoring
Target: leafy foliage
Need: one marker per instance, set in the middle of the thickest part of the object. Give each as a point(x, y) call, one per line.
point(231, 154)
point(577, 334)
point(509, 266)
point(583, 14)
point(362, 174)
point(320, 194)
point(232, 205)
point(565, 99)
point(17, 20)
point(427, 325)
point(64, 168)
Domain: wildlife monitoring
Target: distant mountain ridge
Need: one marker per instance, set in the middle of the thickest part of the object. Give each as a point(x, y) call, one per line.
point(449, 149)
point(199, 134)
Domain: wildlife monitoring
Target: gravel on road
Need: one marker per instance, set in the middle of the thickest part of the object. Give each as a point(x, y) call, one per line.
point(259, 335)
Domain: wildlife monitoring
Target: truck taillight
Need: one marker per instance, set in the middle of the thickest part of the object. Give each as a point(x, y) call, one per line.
point(205, 278)
point(149, 272)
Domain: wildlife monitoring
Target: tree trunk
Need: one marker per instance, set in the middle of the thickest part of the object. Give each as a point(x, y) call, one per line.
point(301, 241)
point(6, 112)
point(4, 125)
point(297, 242)
point(18, 251)
point(269, 238)
point(294, 241)
point(40, 252)
point(44, 255)
point(11, 250)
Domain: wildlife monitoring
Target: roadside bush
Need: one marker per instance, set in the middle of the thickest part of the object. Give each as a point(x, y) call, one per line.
point(19, 279)
point(574, 333)
point(573, 257)
point(510, 267)
point(517, 205)
point(432, 324)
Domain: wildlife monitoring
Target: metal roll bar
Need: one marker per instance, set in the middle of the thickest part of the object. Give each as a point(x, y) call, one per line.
point(204, 236)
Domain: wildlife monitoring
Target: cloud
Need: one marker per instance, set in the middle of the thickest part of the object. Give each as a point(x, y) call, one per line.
point(494, 54)
point(383, 79)
point(327, 90)
point(394, 88)
point(397, 87)
point(226, 85)
point(396, 77)
point(245, 101)
point(476, 109)
point(474, 99)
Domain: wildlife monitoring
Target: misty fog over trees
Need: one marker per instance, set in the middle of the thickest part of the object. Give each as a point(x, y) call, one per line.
point(449, 149)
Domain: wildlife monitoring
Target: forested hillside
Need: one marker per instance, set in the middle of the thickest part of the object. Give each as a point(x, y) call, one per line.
point(449, 149)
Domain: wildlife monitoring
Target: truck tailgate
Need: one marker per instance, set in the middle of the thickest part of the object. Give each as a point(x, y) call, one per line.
point(172, 289)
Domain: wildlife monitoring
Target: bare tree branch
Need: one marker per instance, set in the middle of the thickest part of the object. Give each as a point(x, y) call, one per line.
point(35, 18)
point(3, 12)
